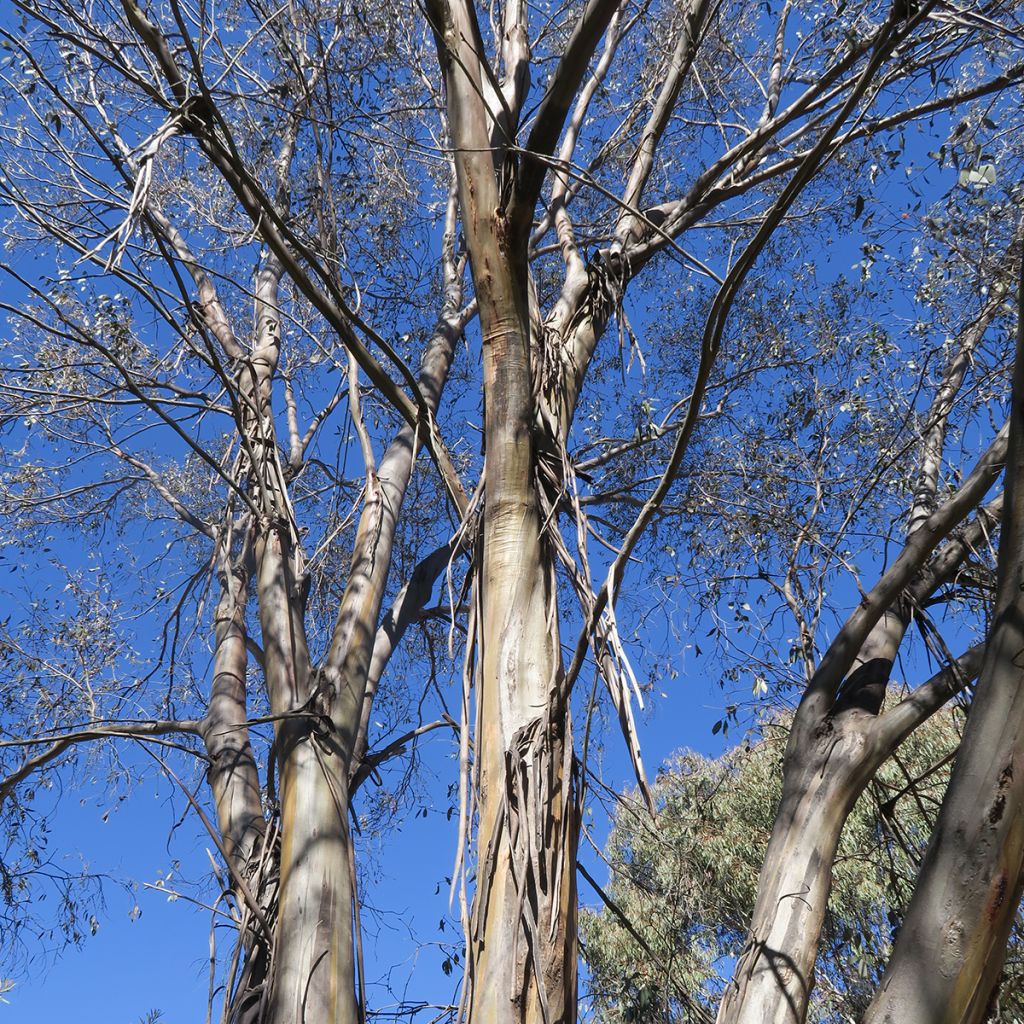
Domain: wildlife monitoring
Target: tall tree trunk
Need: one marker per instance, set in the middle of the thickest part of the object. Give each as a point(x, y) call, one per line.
point(313, 963)
point(829, 760)
point(522, 943)
point(523, 930)
point(951, 946)
point(523, 938)
point(312, 969)
point(235, 783)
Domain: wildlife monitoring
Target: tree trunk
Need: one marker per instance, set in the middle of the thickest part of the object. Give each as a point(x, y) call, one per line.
point(233, 776)
point(822, 781)
point(522, 943)
point(950, 949)
point(313, 963)
point(523, 930)
point(235, 783)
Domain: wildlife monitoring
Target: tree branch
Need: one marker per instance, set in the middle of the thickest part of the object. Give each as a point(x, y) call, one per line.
point(60, 743)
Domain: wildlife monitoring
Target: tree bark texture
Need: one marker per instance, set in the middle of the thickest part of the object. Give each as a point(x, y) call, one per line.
point(821, 783)
point(951, 946)
point(522, 944)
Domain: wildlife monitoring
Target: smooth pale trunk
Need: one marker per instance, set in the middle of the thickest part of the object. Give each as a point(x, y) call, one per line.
point(235, 784)
point(314, 955)
point(314, 964)
point(773, 980)
point(828, 763)
point(523, 945)
point(233, 776)
point(313, 960)
point(835, 746)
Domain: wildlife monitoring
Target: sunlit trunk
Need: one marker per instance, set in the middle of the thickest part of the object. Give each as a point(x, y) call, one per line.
point(523, 930)
point(523, 944)
point(522, 955)
point(313, 964)
point(312, 974)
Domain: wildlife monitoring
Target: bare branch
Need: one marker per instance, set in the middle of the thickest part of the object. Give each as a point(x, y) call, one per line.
point(60, 743)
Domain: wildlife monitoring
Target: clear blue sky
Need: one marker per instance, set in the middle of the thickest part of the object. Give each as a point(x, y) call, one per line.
point(159, 961)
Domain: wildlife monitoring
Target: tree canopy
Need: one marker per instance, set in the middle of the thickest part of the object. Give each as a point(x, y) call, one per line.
point(682, 886)
point(376, 372)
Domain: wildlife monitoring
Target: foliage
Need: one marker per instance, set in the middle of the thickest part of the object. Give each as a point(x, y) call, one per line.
point(244, 258)
point(686, 881)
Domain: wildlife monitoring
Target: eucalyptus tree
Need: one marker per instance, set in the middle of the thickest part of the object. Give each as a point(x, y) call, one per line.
point(840, 734)
point(233, 222)
point(893, 377)
point(521, 742)
point(173, 352)
point(947, 964)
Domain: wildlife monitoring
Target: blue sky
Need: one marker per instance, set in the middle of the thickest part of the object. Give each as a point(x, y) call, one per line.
point(158, 960)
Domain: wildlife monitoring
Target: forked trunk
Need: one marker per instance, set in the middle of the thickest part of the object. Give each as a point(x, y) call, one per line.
point(522, 943)
point(313, 965)
point(834, 750)
point(831, 755)
point(840, 738)
point(950, 950)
